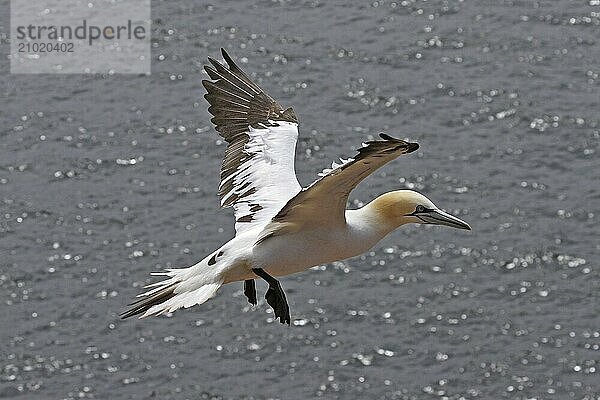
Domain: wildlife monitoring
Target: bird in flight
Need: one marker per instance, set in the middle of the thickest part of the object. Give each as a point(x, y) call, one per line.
point(280, 227)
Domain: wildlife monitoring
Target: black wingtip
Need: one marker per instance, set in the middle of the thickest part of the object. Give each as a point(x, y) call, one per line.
point(410, 146)
point(228, 59)
point(206, 83)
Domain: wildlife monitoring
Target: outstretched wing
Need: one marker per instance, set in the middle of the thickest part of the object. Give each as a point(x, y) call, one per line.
point(257, 175)
point(324, 201)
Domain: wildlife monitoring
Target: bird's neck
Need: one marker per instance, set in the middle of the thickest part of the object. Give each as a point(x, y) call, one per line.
point(366, 226)
point(379, 217)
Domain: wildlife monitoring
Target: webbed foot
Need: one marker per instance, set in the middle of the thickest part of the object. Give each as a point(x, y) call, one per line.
point(275, 297)
point(250, 291)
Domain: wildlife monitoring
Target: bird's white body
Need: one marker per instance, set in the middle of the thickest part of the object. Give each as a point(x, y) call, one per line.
point(298, 251)
point(282, 228)
point(288, 254)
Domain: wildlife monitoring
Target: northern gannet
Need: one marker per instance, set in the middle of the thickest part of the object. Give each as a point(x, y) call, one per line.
point(282, 228)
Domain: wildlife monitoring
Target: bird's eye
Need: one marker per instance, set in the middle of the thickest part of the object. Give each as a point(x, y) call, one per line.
point(420, 209)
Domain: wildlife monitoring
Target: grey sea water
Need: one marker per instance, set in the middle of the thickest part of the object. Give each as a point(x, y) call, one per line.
point(104, 179)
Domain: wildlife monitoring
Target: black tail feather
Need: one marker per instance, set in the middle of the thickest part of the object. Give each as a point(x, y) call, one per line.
point(145, 303)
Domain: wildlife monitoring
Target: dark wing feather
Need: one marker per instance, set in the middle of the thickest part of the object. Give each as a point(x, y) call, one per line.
point(238, 105)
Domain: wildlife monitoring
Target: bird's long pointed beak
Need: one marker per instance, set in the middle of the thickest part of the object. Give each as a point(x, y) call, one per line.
point(439, 217)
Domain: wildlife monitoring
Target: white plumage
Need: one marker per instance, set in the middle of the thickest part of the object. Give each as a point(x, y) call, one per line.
point(270, 171)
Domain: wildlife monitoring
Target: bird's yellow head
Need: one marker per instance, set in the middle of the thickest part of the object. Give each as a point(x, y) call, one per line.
point(407, 206)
